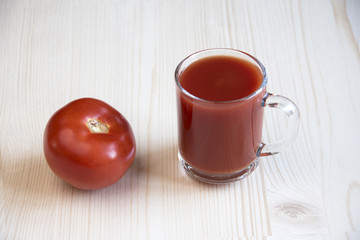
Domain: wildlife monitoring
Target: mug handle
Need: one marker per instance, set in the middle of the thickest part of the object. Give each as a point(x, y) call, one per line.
point(292, 112)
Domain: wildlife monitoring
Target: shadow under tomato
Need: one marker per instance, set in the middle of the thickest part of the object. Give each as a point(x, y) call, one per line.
point(30, 181)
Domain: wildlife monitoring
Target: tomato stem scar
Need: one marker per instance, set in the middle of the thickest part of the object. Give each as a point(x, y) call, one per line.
point(96, 126)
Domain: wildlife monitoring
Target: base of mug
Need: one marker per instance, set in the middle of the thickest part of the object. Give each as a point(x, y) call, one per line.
point(217, 178)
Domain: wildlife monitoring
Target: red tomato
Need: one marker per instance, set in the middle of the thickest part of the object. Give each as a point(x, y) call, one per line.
point(89, 144)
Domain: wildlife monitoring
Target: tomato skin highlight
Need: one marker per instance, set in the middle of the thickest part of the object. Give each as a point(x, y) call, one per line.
point(85, 159)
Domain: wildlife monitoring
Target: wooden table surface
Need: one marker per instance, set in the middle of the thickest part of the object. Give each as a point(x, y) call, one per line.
point(125, 53)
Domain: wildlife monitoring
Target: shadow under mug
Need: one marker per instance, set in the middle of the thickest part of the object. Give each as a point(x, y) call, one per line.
point(220, 141)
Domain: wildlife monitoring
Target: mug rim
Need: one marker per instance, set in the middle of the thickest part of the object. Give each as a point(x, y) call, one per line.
point(218, 52)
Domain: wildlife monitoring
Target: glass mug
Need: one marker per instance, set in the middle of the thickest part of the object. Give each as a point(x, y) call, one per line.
point(221, 95)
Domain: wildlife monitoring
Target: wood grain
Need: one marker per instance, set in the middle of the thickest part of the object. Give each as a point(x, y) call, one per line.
point(125, 53)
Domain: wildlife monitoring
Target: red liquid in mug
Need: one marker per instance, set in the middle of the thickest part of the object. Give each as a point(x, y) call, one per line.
point(218, 137)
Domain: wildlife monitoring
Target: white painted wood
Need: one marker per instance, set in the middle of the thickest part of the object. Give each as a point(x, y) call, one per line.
point(125, 53)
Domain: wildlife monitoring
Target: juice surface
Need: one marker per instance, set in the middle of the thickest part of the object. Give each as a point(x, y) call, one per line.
point(221, 78)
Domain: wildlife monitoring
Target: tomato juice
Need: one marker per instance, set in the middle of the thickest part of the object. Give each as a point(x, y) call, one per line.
point(220, 113)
